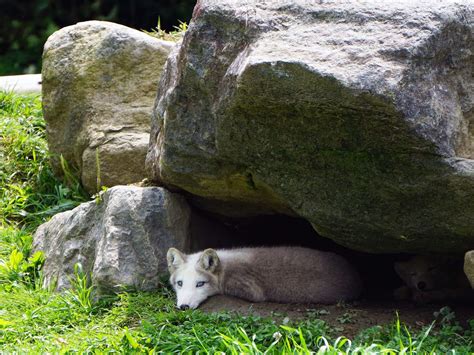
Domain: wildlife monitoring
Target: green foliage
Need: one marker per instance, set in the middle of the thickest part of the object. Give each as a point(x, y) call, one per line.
point(175, 35)
point(12, 238)
point(80, 292)
point(25, 26)
point(347, 317)
point(29, 24)
point(17, 269)
point(31, 192)
point(441, 336)
point(42, 321)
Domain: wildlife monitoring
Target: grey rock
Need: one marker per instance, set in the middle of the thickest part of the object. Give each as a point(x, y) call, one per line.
point(121, 241)
point(355, 116)
point(469, 266)
point(99, 84)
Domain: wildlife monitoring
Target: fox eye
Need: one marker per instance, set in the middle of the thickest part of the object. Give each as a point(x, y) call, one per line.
point(179, 283)
point(200, 283)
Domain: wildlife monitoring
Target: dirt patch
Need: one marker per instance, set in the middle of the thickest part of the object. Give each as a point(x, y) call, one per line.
point(350, 319)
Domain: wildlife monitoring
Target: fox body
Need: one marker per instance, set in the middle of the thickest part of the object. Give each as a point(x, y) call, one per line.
point(433, 279)
point(279, 274)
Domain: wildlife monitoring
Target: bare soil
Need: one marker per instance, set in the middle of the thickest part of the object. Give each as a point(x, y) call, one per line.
point(349, 318)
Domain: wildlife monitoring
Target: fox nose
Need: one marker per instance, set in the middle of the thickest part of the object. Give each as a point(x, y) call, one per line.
point(184, 307)
point(421, 285)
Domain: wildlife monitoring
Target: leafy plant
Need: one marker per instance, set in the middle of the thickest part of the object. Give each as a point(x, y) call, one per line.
point(347, 317)
point(11, 269)
point(316, 313)
point(16, 269)
point(80, 293)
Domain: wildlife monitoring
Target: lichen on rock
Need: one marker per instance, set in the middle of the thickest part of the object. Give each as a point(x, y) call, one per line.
point(355, 116)
point(99, 85)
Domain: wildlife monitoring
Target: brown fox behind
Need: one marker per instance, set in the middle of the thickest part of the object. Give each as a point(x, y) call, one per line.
point(433, 279)
point(279, 274)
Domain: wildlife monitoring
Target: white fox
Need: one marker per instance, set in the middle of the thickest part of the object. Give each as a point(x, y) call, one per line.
point(279, 274)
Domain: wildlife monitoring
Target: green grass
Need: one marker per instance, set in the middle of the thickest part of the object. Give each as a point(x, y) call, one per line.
point(37, 320)
point(30, 193)
point(42, 321)
point(173, 36)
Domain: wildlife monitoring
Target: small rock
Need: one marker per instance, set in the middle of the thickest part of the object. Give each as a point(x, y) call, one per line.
point(121, 241)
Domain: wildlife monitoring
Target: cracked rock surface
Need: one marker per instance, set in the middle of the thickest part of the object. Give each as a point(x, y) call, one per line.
point(355, 116)
point(121, 241)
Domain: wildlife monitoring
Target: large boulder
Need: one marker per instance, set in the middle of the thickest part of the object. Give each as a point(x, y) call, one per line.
point(121, 240)
point(357, 116)
point(99, 84)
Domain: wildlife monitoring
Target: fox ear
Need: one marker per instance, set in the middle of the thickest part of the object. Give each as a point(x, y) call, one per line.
point(175, 258)
point(209, 260)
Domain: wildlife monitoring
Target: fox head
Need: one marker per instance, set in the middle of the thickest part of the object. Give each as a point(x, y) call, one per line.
point(423, 273)
point(193, 277)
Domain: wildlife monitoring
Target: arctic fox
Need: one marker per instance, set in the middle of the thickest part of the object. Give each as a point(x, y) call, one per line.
point(279, 274)
point(433, 279)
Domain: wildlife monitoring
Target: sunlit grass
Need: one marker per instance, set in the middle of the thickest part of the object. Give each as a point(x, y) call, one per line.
point(30, 192)
point(175, 35)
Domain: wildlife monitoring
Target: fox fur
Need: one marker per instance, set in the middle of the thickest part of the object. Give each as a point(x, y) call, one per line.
point(278, 274)
point(433, 279)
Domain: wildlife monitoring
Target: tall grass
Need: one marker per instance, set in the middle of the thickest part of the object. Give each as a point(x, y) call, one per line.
point(175, 35)
point(30, 192)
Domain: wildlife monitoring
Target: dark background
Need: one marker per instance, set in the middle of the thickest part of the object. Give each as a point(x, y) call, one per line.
point(25, 25)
